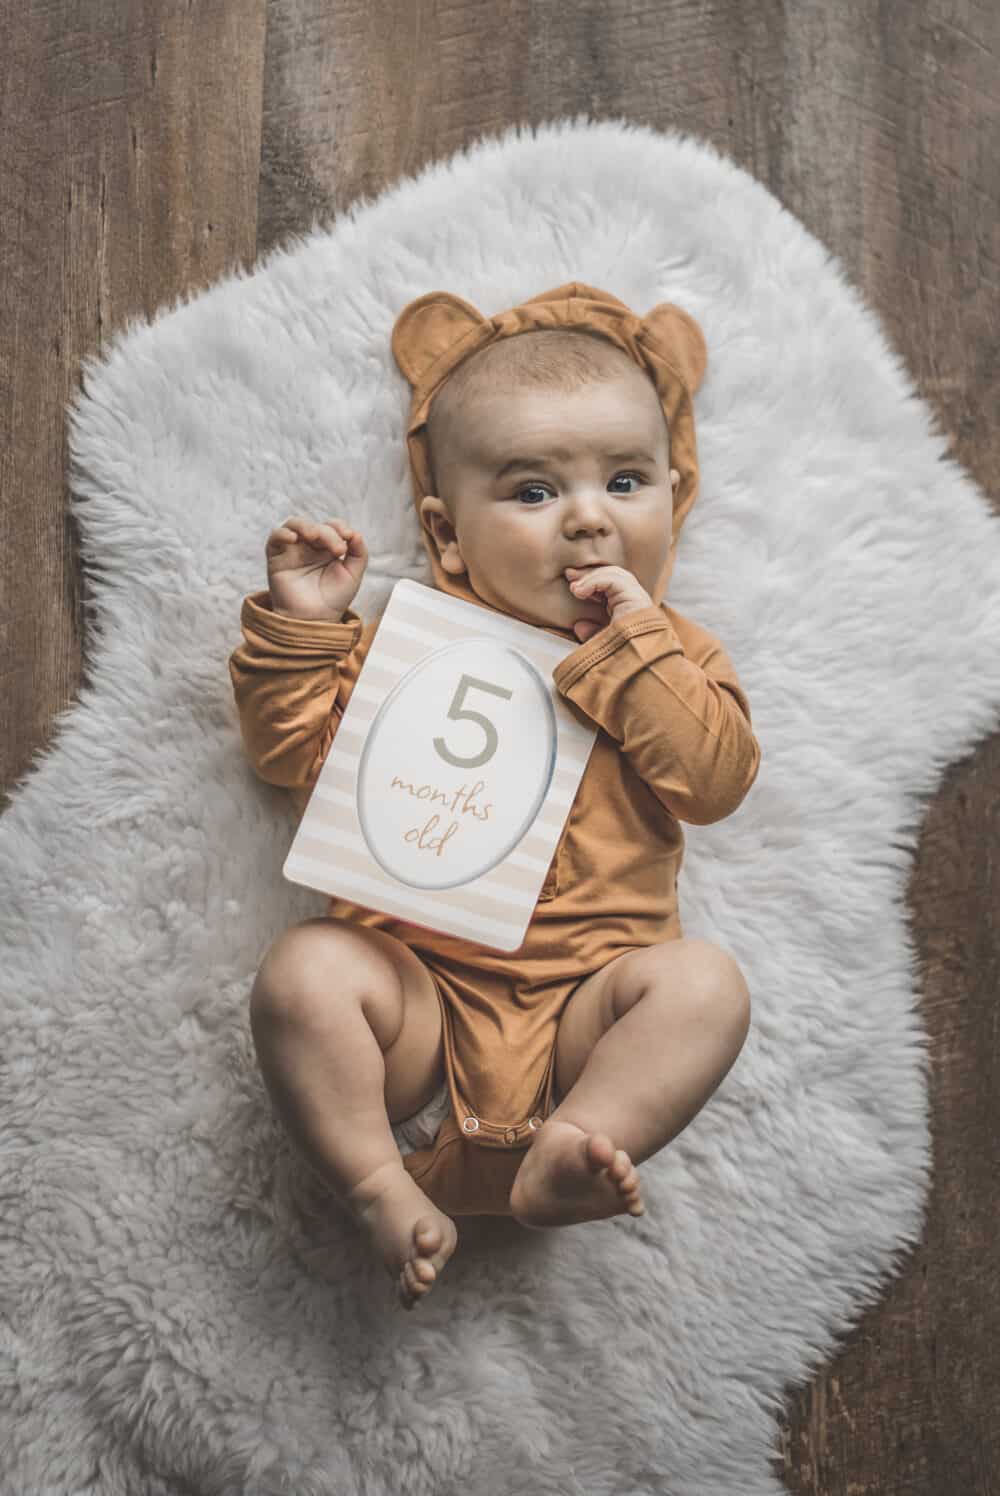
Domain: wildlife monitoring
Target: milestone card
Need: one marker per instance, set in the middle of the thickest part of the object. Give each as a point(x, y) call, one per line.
point(451, 775)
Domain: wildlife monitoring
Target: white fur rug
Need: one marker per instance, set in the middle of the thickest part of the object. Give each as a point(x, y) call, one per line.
point(183, 1311)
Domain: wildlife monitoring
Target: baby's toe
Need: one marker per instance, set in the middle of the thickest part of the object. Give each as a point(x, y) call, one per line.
point(411, 1286)
point(598, 1145)
point(422, 1270)
point(629, 1187)
point(427, 1237)
point(406, 1298)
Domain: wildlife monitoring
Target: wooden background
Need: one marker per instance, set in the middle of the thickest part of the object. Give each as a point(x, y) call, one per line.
point(148, 147)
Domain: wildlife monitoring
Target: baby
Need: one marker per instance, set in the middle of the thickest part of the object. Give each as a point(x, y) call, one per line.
point(553, 461)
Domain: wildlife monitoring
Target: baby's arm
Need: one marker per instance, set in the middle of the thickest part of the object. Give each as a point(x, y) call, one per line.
point(666, 691)
point(289, 677)
point(302, 650)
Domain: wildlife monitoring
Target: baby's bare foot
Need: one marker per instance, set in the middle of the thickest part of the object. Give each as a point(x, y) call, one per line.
point(569, 1176)
point(414, 1237)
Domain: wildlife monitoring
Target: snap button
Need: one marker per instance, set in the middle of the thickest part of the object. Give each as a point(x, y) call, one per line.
point(510, 1136)
point(471, 1124)
point(535, 1123)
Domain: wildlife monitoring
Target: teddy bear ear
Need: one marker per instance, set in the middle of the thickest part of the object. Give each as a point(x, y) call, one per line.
point(425, 328)
point(672, 329)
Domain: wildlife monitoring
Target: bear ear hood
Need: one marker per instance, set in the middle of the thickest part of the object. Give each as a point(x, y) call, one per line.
point(435, 333)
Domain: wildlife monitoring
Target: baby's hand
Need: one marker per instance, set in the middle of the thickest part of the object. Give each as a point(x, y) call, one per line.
point(610, 587)
point(314, 570)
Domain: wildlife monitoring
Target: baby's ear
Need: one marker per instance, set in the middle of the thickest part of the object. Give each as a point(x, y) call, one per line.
point(425, 328)
point(673, 330)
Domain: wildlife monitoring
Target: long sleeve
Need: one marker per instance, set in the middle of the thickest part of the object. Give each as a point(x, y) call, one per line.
point(666, 691)
point(288, 678)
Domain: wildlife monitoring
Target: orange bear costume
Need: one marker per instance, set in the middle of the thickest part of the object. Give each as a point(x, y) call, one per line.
point(674, 743)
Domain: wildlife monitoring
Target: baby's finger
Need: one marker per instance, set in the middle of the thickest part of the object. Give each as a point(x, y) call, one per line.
point(316, 535)
point(282, 535)
point(294, 531)
point(330, 536)
point(353, 539)
point(355, 543)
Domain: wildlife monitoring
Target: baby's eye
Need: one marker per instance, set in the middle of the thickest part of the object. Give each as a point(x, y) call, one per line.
point(530, 488)
point(542, 488)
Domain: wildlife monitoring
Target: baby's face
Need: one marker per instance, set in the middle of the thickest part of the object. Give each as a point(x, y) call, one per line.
point(541, 481)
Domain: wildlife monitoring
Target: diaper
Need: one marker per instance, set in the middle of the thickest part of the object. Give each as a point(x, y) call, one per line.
point(420, 1130)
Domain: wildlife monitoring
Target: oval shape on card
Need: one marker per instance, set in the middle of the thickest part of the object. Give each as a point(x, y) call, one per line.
point(456, 764)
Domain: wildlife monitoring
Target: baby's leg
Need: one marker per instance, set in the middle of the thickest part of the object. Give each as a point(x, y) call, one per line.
point(347, 1028)
point(674, 1018)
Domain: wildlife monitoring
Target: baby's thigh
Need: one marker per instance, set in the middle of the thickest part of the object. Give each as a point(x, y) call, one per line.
point(414, 1060)
point(324, 960)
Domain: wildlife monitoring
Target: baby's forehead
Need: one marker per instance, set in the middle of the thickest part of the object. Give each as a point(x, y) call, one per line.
point(487, 438)
point(626, 389)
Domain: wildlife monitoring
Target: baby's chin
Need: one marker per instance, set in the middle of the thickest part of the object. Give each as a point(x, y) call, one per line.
point(546, 614)
point(549, 605)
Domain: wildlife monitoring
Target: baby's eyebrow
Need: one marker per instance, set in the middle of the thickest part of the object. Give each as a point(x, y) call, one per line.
point(537, 462)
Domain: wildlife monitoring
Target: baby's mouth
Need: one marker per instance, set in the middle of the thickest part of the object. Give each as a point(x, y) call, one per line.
point(580, 570)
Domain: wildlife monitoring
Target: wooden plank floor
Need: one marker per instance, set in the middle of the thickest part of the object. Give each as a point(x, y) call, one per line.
point(148, 148)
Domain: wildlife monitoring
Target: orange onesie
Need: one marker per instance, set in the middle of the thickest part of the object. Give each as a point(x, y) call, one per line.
point(674, 743)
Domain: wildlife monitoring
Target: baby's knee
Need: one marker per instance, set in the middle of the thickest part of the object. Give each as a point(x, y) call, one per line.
point(296, 976)
point(726, 985)
point(316, 967)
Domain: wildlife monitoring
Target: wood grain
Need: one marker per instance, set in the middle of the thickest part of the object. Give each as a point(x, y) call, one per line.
point(129, 169)
point(147, 147)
